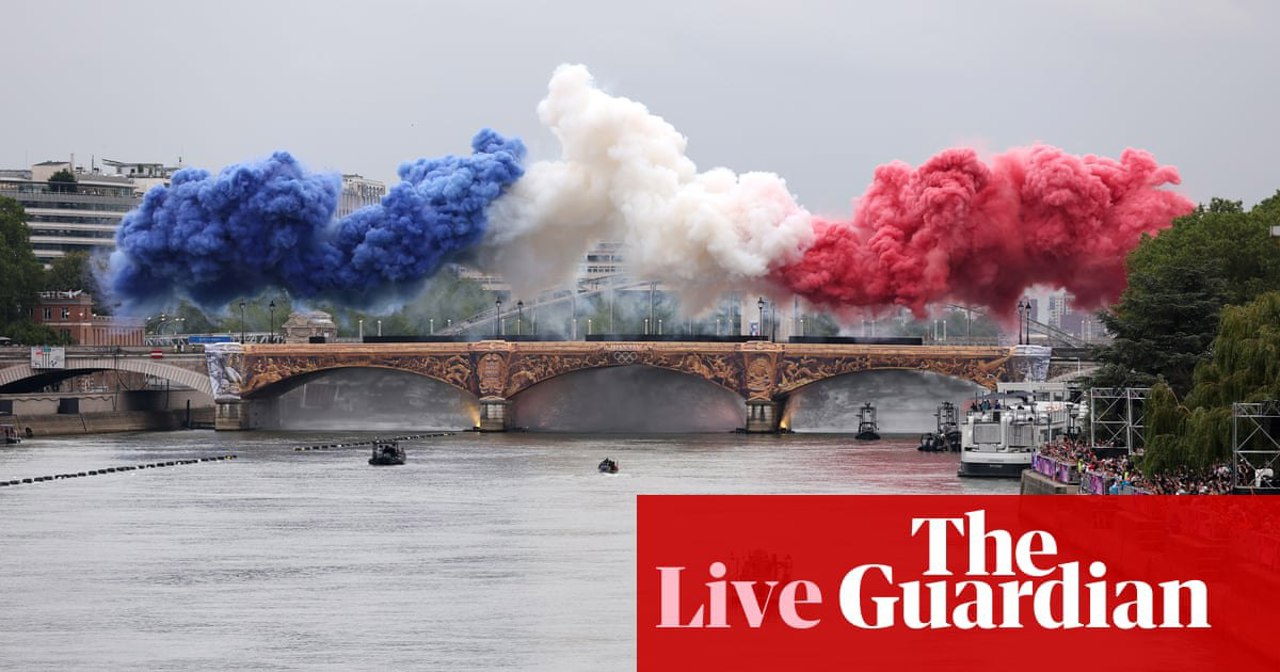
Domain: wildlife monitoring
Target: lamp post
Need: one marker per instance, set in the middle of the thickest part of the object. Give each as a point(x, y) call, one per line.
point(1022, 311)
point(717, 326)
point(588, 326)
point(802, 327)
point(361, 323)
point(379, 327)
point(272, 307)
point(519, 315)
point(760, 305)
point(242, 322)
point(431, 326)
point(653, 286)
point(498, 302)
point(646, 326)
point(659, 326)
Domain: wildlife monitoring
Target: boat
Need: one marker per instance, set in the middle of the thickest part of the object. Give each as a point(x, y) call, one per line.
point(9, 434)
point(1003, 430)
point(386, 453)
point(609, 466)
point(868, 430)
point(946, 438)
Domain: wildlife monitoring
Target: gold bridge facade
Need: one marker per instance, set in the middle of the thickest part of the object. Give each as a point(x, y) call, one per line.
point(761, 372)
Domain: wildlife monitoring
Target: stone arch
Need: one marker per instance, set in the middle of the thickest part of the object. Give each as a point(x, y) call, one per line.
point(265, 371)
point(795, 372)
point(637, 397)
point(284, 385)
point(84, 365)
point(525, 371)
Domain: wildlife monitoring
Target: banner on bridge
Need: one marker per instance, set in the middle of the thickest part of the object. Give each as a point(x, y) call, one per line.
point(48, 357)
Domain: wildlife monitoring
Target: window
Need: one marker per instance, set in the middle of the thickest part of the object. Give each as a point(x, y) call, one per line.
point(48, 314)
point(66, 313)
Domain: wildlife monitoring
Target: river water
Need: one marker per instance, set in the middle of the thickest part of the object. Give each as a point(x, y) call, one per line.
point(483, 552)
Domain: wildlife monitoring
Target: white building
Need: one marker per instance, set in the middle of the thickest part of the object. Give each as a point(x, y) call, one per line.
point(357, 192)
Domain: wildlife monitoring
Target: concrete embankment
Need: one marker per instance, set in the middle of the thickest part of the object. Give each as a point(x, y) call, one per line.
point(107, 422)
point(1035, 483)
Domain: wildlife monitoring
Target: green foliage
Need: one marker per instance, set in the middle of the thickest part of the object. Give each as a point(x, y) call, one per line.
point(1244, 366)
point(64, 182)
point(1178, 283)
point(20, 271)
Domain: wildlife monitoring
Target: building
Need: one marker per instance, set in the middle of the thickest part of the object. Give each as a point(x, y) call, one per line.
point(1059, 309)
point(71, 315)
point(69, 217)
point(301, 327)
point(357, 192)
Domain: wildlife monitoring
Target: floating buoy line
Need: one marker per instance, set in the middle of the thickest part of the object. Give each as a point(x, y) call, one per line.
point(113, 470)
point(363, 444)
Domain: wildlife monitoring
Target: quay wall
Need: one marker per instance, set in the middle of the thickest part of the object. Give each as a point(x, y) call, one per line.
point(107, 422)
point(1035, 483)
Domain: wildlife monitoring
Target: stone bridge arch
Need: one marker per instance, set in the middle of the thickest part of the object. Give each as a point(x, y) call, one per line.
point(193, 376)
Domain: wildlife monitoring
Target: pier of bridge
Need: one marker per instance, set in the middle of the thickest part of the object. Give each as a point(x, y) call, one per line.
point(246, 378)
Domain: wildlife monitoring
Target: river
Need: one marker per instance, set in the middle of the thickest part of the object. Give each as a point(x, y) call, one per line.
point(483, 552)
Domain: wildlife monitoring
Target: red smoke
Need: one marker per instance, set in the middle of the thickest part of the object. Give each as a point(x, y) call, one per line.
point(959, 230)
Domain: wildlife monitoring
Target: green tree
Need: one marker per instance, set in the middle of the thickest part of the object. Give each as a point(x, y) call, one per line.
point(20, 272)
point(1179, 282)
point(63, 182)
point(1244, 366)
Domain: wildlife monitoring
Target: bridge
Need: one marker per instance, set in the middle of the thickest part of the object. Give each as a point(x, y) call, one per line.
point(245, 378)
point(17, 375)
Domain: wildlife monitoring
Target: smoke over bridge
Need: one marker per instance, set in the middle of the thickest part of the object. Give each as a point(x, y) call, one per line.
point(957, 228)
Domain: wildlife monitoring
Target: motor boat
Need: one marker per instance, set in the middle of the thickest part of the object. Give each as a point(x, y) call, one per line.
point(868, 430)
point(609, 466)
point(946, 438)
point(1002, 431)
point(9, 434)
point(386, 453)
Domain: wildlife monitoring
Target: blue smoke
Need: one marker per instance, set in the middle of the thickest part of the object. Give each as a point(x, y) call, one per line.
point(270, 224)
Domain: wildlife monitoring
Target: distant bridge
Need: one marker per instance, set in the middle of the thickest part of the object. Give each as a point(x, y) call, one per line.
point(17, 374)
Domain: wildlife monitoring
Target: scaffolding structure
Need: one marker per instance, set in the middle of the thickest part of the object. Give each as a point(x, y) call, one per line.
point(1255, 446)
point(1116, 417)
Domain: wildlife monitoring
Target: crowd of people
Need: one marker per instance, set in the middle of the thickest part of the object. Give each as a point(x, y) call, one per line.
point(1122, 474)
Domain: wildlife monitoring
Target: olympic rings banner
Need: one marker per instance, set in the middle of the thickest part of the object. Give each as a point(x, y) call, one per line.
point(935, 583)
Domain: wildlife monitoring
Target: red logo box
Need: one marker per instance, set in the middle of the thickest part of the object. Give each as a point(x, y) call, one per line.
point(958, 583)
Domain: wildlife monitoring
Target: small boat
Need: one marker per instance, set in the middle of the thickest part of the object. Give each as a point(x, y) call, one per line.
point(9, 434)
point(609, 466)
point(386, 453)
point(868, 430)
point(947, 436)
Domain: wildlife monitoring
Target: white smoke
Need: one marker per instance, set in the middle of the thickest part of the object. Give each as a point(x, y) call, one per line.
point(623, 176)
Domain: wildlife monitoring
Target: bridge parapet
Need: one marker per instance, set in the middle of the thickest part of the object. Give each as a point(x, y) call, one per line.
point(754, 370)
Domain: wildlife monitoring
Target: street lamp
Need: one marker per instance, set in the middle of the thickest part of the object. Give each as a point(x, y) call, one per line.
point(659, 326)
point(242, 322)
point(431, 325)
point(717, 326)
point(498, 302)
point(519, 315)
point(379, 327)
point(588, 326)
point(361, 322)
point(653, 286)
point(1022, 312)
point(272, 307)
point(646, 326)
point(760, 305)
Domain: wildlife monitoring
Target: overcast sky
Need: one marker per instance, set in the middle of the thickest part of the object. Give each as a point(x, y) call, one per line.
point(820, 92)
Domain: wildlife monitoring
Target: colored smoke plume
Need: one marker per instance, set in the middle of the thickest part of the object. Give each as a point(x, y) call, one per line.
point(954, 229)
point(623, 175)
point(957, 229)
point(215, 238)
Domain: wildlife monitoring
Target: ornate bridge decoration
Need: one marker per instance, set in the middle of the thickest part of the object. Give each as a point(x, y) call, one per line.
point(755, 370)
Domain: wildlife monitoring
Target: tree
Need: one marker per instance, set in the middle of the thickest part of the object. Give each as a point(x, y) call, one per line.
point(1179, 282)
point(1244, 366)
point(20, 272)
point(70, 273)
point(63, 182)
